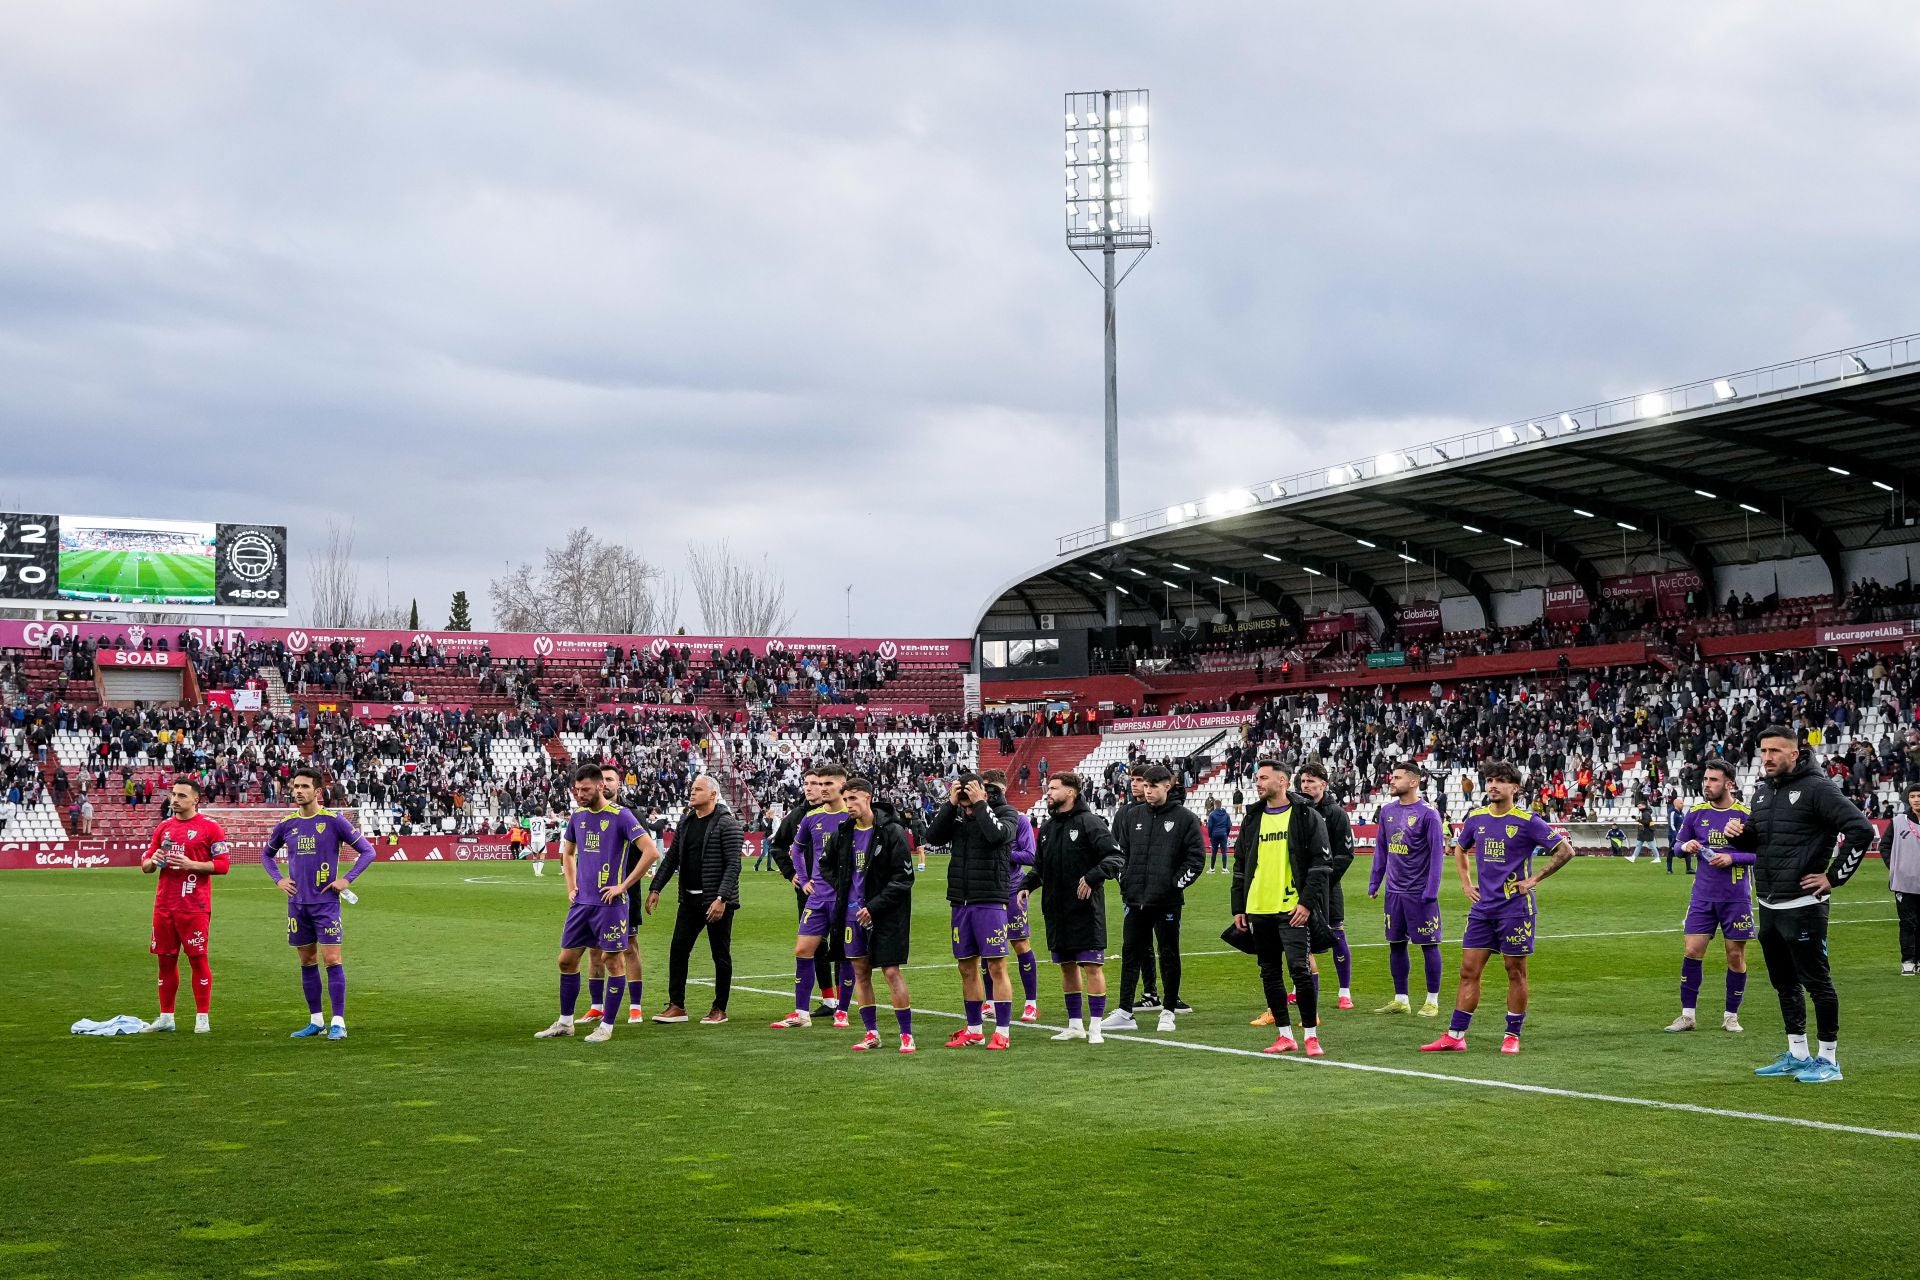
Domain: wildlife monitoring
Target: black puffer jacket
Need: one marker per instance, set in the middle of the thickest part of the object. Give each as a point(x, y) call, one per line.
point(1339, 834)
point(979, 838)
point(706, 854)
point(1072, 846)
point(1165, 850)
point(1791, 833)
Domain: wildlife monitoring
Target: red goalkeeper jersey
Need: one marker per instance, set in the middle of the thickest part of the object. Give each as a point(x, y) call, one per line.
point(202, 840)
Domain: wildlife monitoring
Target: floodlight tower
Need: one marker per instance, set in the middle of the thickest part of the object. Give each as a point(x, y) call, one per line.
point(1109, 208)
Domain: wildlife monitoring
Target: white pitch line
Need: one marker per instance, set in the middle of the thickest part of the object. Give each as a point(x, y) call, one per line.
point(1408, 1073)
point(1363, 946)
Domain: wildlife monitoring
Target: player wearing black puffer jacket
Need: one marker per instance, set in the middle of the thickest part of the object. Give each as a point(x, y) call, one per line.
point(1797, 811)
point(1166, 850)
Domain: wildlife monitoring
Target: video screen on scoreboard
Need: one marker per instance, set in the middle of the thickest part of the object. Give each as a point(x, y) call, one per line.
point(138, 561)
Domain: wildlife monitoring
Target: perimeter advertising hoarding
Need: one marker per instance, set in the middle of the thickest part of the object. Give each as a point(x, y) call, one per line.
point(142, 564)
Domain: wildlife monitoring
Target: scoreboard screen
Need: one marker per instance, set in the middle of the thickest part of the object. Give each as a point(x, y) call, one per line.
point(142, 565)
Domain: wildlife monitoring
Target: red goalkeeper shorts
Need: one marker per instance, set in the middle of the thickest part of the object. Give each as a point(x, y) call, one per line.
point(173, 934)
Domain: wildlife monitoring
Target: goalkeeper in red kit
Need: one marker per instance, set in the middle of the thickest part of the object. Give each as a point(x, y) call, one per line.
point(188, 849)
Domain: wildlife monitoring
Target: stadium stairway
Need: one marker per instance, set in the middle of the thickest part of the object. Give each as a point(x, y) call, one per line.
point(1063, 754)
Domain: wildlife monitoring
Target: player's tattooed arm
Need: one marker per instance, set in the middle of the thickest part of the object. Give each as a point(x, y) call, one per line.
point(1562, 855)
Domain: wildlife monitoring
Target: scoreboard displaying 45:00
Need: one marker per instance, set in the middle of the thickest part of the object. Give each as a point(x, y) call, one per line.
point(142, 566)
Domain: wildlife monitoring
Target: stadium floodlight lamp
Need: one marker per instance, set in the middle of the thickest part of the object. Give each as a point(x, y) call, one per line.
point(1750, 509)
point(1368, 545)
point(1856, 365)
point(1184, 568)
point(1630, 528)
point(1513, 542)
point(1581, 511)
point(1444, 455)
point(1883, 486)
point(1568, 422)
point(1096, 577)
point(1138, 573)
point(1509, 436)
point(1722, 389)
point(1704, 494)
point(1409, 559)
point(1174, 585)
point(1539, 432)
point(1473, 528)
point(1386, 464)
point(1651, 405)
point(1839, 471)
point(1315, 572)
point(1277, 490)
point(1118, 528)
point(1268, 555)
point(1176, 513)
point(1123, 591)
point(1336, 475)
point(1217, 578)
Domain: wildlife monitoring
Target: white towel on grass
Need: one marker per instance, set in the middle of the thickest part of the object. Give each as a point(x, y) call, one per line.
point(124, 1025)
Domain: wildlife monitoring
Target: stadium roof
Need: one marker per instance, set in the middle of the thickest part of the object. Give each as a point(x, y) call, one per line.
point(1808, 458)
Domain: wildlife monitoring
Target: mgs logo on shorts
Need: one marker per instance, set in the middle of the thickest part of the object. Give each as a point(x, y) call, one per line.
point(311, 922)
point(980, 929)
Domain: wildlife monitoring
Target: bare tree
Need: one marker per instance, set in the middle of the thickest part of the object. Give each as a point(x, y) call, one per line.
point(586, 585)
point(736, 596)
point(333, 580)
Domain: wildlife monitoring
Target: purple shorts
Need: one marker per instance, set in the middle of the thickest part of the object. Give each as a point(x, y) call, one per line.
point(1411, 918)
point(311, 922)
point(979, 929)
point(815, 918)
point(600, 927)
point(1078, 957)
point(856, 939)
point(1507, 929)
point(1734, 920)
point(1017, 927)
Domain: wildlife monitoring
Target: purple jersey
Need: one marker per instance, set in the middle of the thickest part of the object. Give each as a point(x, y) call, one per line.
point(313, 854)
point(810, 841)
point(1708, 825)
point(1408, 850)
point(857, 895)
point(600, 838)
point(1503, 847)
point(1020, 856)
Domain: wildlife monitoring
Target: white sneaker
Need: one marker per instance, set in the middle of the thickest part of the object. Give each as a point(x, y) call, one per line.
point(600, 1034)
point(1094, 1034)
point(1730, 1022)
point(1118, 1020)
point(1682, 1023)
point(1166, 1020)
point(1072, 1033)
point(1908, 968)
point(560, 1027)
point(162, 1023)
point(201, 1025)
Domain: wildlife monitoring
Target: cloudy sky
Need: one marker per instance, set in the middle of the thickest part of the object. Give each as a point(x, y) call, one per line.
point(465, 275)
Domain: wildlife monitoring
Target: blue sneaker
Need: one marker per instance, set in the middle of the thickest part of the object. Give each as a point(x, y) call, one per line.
point(1786, 1064)
point(1821, 1072)
point(307, 1032)
point(336, 1032)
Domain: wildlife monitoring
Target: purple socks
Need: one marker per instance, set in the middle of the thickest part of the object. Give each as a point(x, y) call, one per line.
point(1431, 957)
point(802, 984)
point(1002, 1015)
point(1073, 1006)
point(1096, 1007)
point(905, 1018)
point(1736, 990)
point(1690, 974)
point(597, 992)
point(569, 994)
point(1342, 958)
point(1514, 1022)
point(337, 989)
point(1461, 1021)
point(1030, 975)
point(870, 1019)
point(973, 1014)
point(845, 986)
point(1400, 965)
point(310, 984)
point(616, 988)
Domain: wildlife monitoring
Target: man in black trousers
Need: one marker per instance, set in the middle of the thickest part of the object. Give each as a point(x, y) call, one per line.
point(706, 853)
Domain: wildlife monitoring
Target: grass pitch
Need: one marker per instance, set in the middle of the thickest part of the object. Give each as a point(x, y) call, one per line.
point(134, 576)
point(442, 1140)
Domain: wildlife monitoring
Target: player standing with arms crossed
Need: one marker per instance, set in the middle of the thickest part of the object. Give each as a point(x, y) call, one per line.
point(313, 883)
point(1722, 896)
point(816, 917)
point(1502, 839)
point(186, 849)
point(592, 851)
point(1408, 852)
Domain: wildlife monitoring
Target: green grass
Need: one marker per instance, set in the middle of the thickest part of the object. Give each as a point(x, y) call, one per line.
point(442, 1140)
point(164, 576)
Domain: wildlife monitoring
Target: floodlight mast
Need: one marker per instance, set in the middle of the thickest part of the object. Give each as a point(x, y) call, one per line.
point(1109, 209)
